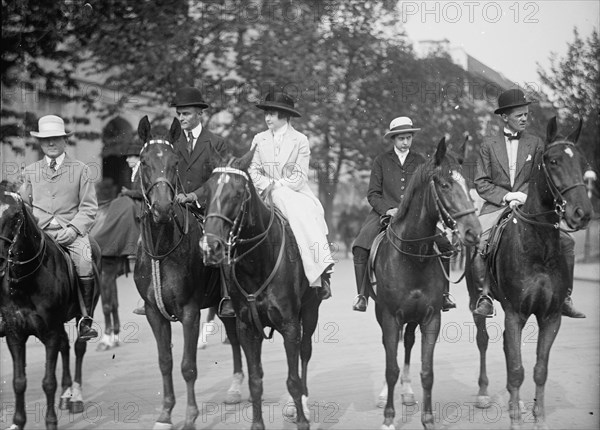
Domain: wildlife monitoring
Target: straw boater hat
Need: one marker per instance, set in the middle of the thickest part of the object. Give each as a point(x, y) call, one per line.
point(402, 124)
point(50, 126)
point(511, 99)
point(279, 101)
point(188, 97)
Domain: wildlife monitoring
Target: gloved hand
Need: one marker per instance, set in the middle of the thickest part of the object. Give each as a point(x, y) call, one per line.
point(515, 198)
point(182, 198)
point(66, 236)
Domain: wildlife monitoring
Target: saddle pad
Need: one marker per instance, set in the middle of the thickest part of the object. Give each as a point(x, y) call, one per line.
point(371, 265)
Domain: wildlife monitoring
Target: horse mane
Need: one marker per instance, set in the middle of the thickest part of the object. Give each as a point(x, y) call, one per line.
point(423, 174)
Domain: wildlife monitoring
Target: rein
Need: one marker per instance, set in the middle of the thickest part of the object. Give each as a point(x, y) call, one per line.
point(560, 202)
point(449, 220)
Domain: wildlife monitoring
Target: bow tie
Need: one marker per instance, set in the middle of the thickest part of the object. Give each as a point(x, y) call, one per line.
point(513, 136)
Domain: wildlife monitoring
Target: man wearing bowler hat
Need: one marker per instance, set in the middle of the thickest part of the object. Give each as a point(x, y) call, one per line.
point(62, 194)
point(198, 149)
point(504, 167)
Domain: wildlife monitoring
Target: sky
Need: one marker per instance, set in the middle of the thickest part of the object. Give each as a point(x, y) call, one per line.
point(507, 35)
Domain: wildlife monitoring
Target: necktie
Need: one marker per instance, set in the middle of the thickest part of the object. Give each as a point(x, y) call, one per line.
point(190, 146)
point(513, 136)
point(53, 165)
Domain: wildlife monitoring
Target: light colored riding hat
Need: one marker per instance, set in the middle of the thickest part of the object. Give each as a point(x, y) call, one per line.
point(50, 126)
point(402, 124)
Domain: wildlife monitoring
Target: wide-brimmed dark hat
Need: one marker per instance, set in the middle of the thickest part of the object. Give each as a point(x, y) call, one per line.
point(511, 99)
point(279, 101)
point(133, 149)
point(189, 96)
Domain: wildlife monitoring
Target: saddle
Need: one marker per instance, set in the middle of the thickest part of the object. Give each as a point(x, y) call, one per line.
point(490, 250)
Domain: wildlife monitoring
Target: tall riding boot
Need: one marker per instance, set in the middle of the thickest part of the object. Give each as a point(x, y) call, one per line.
point(484, 305)
point(568, 309)
point(225, 309)
point(447, 302)
point(86, 285)
point(361, 257)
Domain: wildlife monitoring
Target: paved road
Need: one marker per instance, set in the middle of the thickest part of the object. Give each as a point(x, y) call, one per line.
point(122, 386)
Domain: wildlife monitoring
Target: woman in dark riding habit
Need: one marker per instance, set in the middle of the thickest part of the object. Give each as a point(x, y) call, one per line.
point(390, 176)
point(281, 161)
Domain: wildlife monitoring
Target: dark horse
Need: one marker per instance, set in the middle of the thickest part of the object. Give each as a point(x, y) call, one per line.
point(529, 269)
point(410, 279)
point(268, 287)
point(169, 273)
point(39, 293)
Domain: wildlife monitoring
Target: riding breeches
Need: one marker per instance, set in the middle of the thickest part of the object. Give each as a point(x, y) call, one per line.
point(80, 252)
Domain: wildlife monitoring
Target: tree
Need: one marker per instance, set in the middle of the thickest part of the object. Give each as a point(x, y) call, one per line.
point(573, 83)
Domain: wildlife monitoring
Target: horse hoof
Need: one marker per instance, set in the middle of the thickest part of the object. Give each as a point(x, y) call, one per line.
point(76, 407)
point(102, 347)
point(408, 400)
point(522, 407)
point(381, 401)
point(233, 398)
point(162, 426)
point(64, 404)
point(483, 402)
point(390, 427)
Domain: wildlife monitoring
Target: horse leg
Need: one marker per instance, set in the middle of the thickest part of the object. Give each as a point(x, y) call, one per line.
point(291, 342)
point(76, 403)
point(162, 333)
point(429, 336)
point(108, 284)
point(251, 342)
point(513, 325)
point(16, 346)
point(234, 393)
point(114, 299)
point(548, 331)
point(309, 318)
point(67, 380)
point(391, 336)
point(189, 370)
point(482, 338)
point(52, 344)
point(408, 395)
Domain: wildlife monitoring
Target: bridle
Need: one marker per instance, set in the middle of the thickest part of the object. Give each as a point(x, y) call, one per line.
point(237, 223)
point(560, 203)
point(448, 219)
point(9, 263)
point(152, 249)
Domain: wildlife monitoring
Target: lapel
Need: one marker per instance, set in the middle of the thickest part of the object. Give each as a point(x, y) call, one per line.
point(202, 144)
point(288, 145)
point(181, 147)
point(524, 149)
point(499, 148)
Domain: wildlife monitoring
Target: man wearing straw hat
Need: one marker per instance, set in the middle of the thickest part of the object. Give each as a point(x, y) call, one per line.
point(390, 176)
point(61, 192)
point(503, 171)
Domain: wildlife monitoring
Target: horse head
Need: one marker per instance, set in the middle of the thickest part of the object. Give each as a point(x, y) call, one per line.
point(230, 189)
point(158, 170)
point(11, 220)
point(448, 195)
point(562, 166)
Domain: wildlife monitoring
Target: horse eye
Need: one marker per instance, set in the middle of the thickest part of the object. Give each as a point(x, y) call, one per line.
point(553, 162)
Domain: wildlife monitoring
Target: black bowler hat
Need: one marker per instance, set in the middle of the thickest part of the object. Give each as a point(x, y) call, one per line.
point(279, 101)
point(511, 99)
point(189, 96)
point(133, 149)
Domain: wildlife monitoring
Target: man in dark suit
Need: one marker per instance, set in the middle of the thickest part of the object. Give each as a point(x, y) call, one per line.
point(504, 167)
point(198, 148)
point(198, 151)
point(390, 176)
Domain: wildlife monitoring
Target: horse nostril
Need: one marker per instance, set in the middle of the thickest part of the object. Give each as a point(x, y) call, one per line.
point(579, 213)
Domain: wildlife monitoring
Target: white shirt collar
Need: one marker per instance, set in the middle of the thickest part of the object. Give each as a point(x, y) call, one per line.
point(401, 155)
point(134, 171)
point(280, 131)
point(506, 130)
point(59, 160)
point(195, 131)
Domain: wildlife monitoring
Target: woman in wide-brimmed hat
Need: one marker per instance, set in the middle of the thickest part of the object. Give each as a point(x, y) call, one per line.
point(390, 176)
point(281, 160)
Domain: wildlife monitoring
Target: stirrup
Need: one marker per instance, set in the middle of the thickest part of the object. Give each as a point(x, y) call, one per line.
point(451, 299)
point(87, 317)
point(481, 297)
point(220, 308)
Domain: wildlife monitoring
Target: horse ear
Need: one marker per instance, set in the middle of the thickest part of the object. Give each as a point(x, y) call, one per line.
point(175, 131)
point(144, 129)
point(440, 153)
point(574, 135)
point(551, 130)
point(246, 159)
